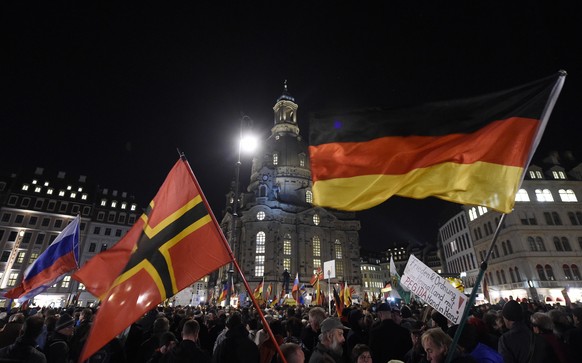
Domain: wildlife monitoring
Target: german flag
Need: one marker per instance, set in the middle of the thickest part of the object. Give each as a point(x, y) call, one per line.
point(175, 243)
point(472, 151)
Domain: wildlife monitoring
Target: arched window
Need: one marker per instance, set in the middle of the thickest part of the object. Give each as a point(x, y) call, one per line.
point(316, 219)
point(287, 246)
point(498, 277)
point(511, 275)
point(557, 244)
point(509, 248)
point(517, 275)
point(504, 247)
point(576, 272)
point(338, 249)
point(579, 217)
point(541, 273)
point(260, 242)
point(532, 244)
point(503, 276)
point(540, 244)
point(496, 251)
point(309, 196)
point(567, 272)
point(550, 273)
point(566, 244)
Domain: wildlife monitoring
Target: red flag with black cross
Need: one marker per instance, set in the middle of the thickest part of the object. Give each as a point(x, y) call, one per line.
point(176, 242)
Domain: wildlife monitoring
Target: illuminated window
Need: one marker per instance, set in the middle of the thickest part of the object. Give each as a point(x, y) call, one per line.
point(275, 159)
point(259, 266)
point(84, 197)
point(50, 191)
point(25, 187)
point(309, 196)
point(12, 279)
point(81, 286)
point(260, 240)
point(69, 187)
point(20, 257)
point(544, 195)
point(316, 264)
point(37, 189)
point(66, 282)
point(73, 195)
point(316, 243)
point(114, 204)
point(338, 249)
point(567, 195)
point(339, 268)
point(287, 263)
point(301, 160)
point(34, 181)
point(316, 219)
point(103, 202)
point(482, 210)
point(61, 193)
point(261, 215)
point(567, 272)
point(33, 257)
point(522, 196)
point(133, 207)
point(473, 214)
point(286, 247)
point(123, 205)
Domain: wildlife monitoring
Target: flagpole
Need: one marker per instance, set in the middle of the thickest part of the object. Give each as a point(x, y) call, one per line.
point(234, 262)
point(473, 295)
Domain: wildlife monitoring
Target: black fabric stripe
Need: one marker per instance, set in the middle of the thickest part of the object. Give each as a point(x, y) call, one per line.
point(149, 248)
point(435, 119)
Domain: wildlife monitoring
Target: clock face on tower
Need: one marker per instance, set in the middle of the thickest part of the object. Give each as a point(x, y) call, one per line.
point(265, 177)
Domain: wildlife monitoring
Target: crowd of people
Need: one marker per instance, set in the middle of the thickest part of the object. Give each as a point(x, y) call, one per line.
point(411, 333)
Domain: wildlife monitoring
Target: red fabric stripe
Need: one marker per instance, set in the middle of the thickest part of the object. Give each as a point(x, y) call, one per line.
point(505, 142)
point(64, 264)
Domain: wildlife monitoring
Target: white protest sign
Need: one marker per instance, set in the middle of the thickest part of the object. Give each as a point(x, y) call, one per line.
point(435, 290)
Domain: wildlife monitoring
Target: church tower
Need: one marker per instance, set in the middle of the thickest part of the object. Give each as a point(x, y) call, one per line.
point(277, 227)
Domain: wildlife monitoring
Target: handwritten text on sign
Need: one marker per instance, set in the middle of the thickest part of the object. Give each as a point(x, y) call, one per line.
point(433, 289)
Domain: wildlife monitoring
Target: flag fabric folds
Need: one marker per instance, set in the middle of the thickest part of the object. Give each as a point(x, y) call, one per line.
point(258, 293)
point(471, 151)
point(317, 276)
point(338, 302)
point(397, 288)
point(175, 243)
point(295, 289)
point(347, 296)
point(61, 257)
point(223, 293)
point(269, 291)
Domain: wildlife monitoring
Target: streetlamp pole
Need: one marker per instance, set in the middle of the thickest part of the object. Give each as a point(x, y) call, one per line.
point(245, 142)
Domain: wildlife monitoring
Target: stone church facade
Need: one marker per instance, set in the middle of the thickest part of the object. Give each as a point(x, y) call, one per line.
point(276, 226)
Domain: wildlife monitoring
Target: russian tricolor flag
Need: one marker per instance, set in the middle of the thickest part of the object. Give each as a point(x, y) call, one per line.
point(59, 258)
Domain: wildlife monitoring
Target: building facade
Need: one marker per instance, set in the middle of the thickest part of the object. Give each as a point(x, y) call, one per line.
point(538, 252)
point(276, 227)
point(36, 205)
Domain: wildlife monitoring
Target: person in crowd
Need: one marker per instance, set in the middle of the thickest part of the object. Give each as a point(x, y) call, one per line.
point(408, 320)
point(81, 333)
point(573, 337)
point(168, 341)
point(468, 343)
point(519, 344)
point(331, 340)
point(293, 328)
point(292, 353)
point(11, 330)
point(436, 344)
point(188, 349)
point(361, 354)
point(359, 333)
point(311, 332)
point(416, 353)
point(148, 347)
point(267, 349)
point(236, 347)
point(542, 324)
point(57, 348)
point(24, 348)
point(399, 343)
point(439, 321)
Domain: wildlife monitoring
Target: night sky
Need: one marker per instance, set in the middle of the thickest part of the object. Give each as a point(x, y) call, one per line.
point(111, 91)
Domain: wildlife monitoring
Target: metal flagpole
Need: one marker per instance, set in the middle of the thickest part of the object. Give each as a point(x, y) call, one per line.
point(471, 301)
point(329, 291)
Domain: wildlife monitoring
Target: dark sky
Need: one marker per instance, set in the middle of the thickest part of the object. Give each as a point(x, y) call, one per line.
point(110, 91)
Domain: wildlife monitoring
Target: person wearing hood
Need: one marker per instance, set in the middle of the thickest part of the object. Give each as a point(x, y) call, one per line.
point(57, 348)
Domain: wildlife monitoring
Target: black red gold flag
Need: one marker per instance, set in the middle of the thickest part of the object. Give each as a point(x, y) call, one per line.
point(176, 242)
point(471, 151)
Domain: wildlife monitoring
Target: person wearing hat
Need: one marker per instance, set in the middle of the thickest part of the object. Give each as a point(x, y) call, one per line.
point(519, 344)
point(331, 340)
point(399, 342)
point(57, 349)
